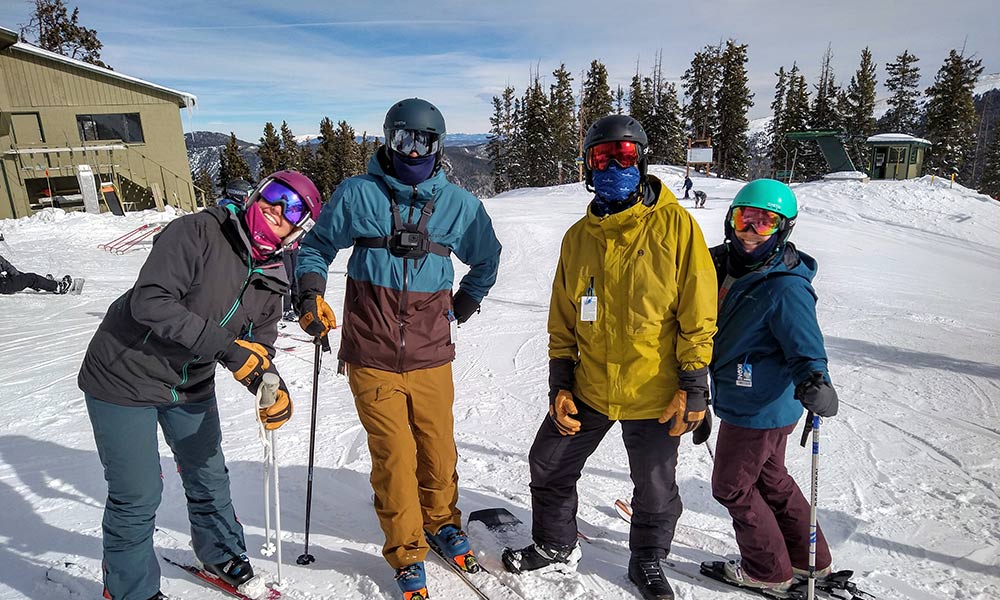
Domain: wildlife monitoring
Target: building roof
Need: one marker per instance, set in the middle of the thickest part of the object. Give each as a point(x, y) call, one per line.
point(184, 99)
point(897, 138)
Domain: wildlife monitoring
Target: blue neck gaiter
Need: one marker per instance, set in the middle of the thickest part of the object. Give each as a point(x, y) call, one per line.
point(614, 186)
point(412, 171)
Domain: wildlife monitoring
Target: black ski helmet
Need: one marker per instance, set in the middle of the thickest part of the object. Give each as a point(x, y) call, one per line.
point(615, 128)
point(416, 114)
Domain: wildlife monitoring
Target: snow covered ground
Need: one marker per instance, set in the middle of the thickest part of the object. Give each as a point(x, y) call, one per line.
point(910, 469)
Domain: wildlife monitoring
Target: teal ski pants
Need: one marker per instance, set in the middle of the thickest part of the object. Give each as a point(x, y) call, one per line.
point(127, 444)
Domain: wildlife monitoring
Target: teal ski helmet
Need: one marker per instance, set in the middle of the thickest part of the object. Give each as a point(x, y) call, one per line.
point(768, 194)
point(771, 195)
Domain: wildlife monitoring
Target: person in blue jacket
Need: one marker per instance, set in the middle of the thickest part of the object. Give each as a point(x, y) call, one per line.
point(404, 220)
point(768, 362)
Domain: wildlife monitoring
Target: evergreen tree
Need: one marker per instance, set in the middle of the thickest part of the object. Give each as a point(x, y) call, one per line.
point(701, 82)
point(596, 100)
point(562, 121)
point(538, 167)
point(269, 151)
point(500, 139)
point(346, 154)
point(796, 117)
point(202, 180)
point(232, 165)
point(989, 184)
point(733, 100)
point(365, 150)
point(321, 164)
point(620, 101)
point(640, 102)
point(951, 116)
point(903, 115)
point(823, 116)
point(52, 28)
point(291, 152)
point(517, 176)
point(667, 140)
point(859, 112)
point(777, 128)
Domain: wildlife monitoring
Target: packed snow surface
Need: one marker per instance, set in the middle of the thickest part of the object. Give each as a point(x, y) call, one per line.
point(909, 471)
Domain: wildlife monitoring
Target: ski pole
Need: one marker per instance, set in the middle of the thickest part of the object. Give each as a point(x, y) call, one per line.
point(812, 422)
point(266, 396)
point(322, 345)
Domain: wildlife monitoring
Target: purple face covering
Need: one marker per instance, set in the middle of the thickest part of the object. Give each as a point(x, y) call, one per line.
point(412, 171)
point(263, 241)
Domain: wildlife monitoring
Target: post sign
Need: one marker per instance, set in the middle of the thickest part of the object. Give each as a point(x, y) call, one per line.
point(699, 155)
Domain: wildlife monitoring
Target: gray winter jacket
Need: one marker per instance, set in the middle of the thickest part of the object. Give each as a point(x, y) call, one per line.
point(197, 292)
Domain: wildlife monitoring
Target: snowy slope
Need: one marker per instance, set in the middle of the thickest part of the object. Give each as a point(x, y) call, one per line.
point(909, 473)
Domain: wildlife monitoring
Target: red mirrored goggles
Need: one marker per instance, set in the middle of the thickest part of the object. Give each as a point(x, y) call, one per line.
point(763, 222)
point(626, 154)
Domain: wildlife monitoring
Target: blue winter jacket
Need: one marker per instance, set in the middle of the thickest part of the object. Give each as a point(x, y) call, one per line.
point(396, 311)
point(768, 341)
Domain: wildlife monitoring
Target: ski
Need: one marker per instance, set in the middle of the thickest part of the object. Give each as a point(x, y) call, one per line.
point(206, 577)
point(479, 580)
point(835, 585)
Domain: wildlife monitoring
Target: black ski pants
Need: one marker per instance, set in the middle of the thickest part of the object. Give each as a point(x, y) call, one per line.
point(12, 284)
point(557, 462)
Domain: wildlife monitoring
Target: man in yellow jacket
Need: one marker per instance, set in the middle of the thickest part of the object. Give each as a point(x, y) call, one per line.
point(631, 321)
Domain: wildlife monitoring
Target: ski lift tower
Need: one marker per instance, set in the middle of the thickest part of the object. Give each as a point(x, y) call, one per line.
point(699, 152)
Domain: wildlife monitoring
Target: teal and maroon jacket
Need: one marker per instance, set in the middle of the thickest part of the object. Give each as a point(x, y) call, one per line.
point(397, 311)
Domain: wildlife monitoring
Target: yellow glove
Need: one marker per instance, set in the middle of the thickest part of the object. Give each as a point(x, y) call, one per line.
point(562, 406)
point(248, 362)
point(317, 317)
point(683, 417)
point(277, 414)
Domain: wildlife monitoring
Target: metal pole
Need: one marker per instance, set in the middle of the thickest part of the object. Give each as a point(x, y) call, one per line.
point(811, 592)
point(321, 344)
point(277, 501)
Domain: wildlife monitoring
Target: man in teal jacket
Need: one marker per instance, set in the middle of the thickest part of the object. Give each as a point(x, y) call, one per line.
point(405, 221)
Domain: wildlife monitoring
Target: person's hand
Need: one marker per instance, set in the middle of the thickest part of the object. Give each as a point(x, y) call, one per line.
point(704, 430)
point(463, 306)
point(560, 409)
point(817, 394)
point(315, 316)
point(280, 412)
point(689, 405)
point(248, 362)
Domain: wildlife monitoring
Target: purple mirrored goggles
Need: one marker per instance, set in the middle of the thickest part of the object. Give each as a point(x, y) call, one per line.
point(292, 205)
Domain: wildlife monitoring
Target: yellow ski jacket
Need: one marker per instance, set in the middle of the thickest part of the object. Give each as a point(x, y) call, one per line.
point(650, 271)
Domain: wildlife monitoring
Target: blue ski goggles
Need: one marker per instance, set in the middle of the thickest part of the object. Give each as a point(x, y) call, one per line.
point(405, 141)
point(277, 193)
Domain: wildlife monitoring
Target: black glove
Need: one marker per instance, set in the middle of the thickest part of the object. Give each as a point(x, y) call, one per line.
point(560, 376)
point(818, 395)
point(701, 433)
point(315, 316)
point(463, 306)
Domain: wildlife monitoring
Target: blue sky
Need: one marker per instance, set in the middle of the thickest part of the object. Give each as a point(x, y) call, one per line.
point(301, 60)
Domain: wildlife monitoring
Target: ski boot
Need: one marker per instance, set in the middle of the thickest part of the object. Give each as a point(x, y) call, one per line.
point(645, 572)
point(542, 558)
point(804, 573)
point(412, 581)
point(452, 543)
point(238, 573)
point(733, 571)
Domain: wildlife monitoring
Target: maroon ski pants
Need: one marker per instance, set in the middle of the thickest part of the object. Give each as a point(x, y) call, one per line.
point(770, 514)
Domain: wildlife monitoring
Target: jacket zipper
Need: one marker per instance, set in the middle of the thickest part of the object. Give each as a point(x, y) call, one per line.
point(403, 297)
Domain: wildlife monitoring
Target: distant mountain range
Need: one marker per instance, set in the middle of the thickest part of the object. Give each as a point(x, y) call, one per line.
point(465, 157)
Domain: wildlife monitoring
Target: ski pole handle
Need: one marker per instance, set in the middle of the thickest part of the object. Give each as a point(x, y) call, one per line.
point(806, 430)
point(324, 342)
point(268, 391)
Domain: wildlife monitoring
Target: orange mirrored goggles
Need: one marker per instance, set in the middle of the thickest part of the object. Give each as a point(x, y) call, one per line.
point(763, 222)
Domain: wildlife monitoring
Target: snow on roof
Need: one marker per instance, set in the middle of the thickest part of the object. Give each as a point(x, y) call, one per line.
point(186, 100)
point(896, 137)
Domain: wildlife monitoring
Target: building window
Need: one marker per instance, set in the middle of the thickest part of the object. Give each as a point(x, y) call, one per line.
point(125, 127)
point(913, 155)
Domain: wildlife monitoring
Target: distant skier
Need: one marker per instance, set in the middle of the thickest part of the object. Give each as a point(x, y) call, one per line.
point(404, 220)
point(699, 199)
point(13, 281)
point(769, 362)
point(631, 321)
point(688, 184)
point(209, 292)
